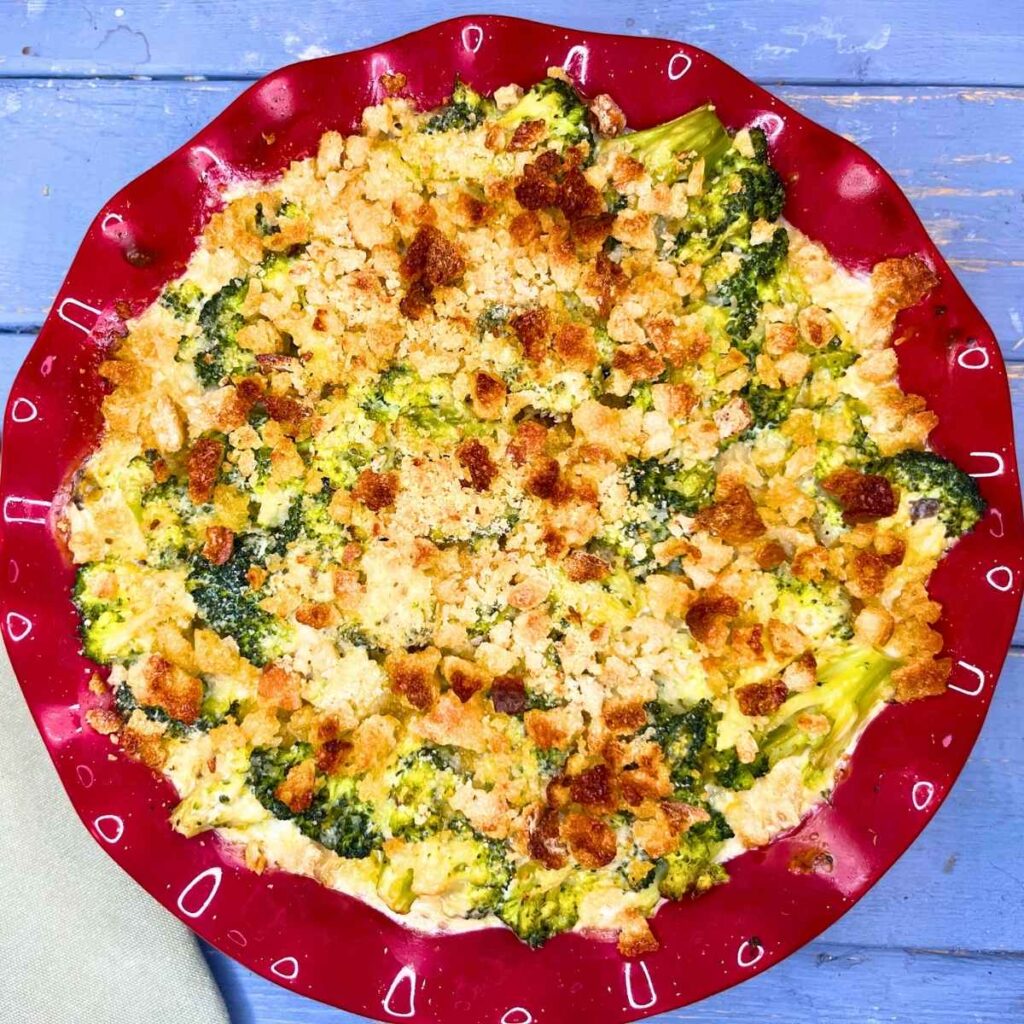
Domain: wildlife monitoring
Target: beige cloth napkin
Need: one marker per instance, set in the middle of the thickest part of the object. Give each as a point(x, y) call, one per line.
point(80, 942)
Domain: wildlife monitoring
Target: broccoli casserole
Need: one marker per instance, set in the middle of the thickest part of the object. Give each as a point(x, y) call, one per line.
point(507, 517)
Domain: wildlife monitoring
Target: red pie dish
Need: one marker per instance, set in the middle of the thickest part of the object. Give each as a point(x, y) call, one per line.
point(320, 942)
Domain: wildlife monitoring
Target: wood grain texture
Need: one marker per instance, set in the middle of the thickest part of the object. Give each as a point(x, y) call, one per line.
point(824, 983)
point(957, 152)
point(876, 41)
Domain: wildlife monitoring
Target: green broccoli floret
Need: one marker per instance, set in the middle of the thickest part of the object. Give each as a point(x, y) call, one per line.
point(229, 606)
point(537, 909)
point(182, 299)
point(833, 359)
point(692, 867)
point(818, 609)
point(658, 490)
point(753, 284)
point(107, 629)
point(686, 738)
point(689, 739)
point(425, 782)
point(339, 820)
point(317, 523)
point(769, 406)
point(938, 487)
point(664, 148)
point(731, 773)
point(425, 405)
point(849, 689)
point(336, 818)
point(559, 106)
point(216, 354)
point(475, 873)
point(743, 189)
point(464, 111)
point(669, 488)
point(165, 514)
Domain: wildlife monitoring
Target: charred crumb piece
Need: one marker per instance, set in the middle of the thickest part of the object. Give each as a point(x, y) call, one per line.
point(592, 787)
point(708, 617)
point(863, 497)
point(218, 545)
point(591, 840)
point(733, 516)
point(432, 258)
point(762, 698)
point(414, 676)
point(376, 490)
point(392, 82)
point(203, 468)
point(508, 695)
point(474, 457)
point(545, 843)
point(489, 394)
point(533, 329)
point(581, 567)
point(607, 115)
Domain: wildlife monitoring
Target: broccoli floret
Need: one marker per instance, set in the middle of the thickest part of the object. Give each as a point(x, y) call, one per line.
point(268, 768)
point(833, 359)
point(487, 617)
point(339, 820)
point(770, 406)
point(466, 871)
point(336, 818)
point(818, 609)
point(425, 782)
point(732, 773)
point(685, 738)
point(216, 354)
point(688, 740)
point(658, 490)
point(664, 148)
point(559, 106)
point(669, 488)
point(165, 514)
point(538, 905)
point(692, 867)
point(229, 606)
point(107, 629)
point(317, 523)
point(182, 299)
point(849, 689)
point(939, 488)
point(746, 291)
point(744, 189)
point(425, 406)
point(464, 111)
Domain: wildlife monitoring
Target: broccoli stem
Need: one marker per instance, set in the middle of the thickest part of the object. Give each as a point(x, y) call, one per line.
point(699, 133)
point(849, 689)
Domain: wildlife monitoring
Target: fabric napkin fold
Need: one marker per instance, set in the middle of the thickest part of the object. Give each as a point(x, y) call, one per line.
point(80, 941)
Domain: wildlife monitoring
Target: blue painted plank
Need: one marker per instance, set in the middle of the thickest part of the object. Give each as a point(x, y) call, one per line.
point(876, 41)
point(824, 983)
point(958, 152)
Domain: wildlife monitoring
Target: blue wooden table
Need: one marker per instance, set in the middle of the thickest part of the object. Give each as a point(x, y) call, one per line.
point(93, 93)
